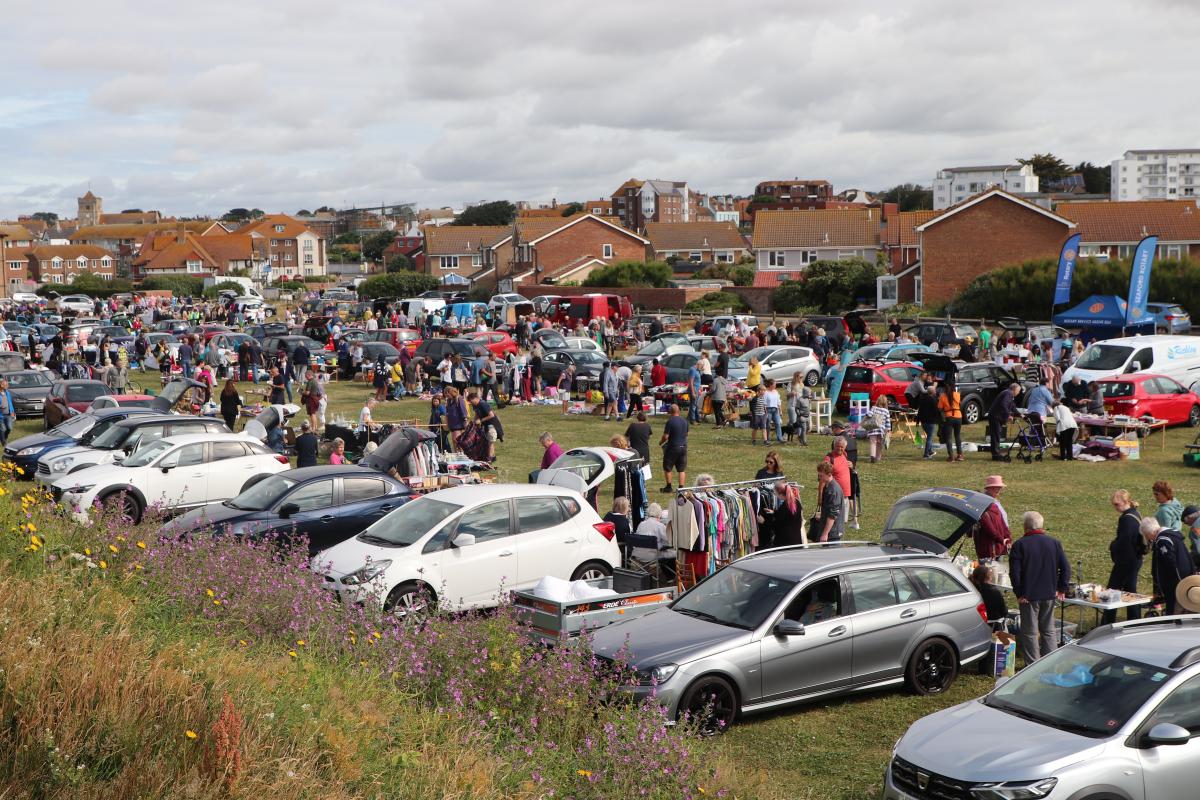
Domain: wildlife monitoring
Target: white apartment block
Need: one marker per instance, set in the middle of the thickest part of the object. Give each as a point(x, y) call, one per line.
point(953, 185)
point(1156, 175)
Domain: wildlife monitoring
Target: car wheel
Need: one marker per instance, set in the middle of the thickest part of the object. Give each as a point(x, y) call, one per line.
point(971, 411)
point(1194, 417)
point(410, 601)
point(932, 667)
point(812, 378)
point(125, 504)
point(711, 704)
point(254, 480)
point(592, 570)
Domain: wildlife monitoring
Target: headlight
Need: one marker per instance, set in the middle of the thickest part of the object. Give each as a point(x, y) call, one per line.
point(656, 675)
point(1014, 790)
point(62, 464)
point(366, 574)
point(28, 451)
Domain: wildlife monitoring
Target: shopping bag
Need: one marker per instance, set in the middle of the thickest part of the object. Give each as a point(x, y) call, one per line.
point(1004, 655)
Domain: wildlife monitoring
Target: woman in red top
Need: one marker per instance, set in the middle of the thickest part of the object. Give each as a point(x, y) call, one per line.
point(841, 464)
point(658, 374)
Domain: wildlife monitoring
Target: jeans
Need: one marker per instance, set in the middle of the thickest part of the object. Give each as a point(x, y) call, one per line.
point(773, 422)
point(6, 426)
point(694, 407)
point(1037, 637)
point(928, 428)
point(952, 436)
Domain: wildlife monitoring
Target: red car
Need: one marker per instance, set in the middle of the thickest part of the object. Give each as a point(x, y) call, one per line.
point(497, 342)
point(1158, 396)
point(70, 396)
point(878, 379)
point(407, 338)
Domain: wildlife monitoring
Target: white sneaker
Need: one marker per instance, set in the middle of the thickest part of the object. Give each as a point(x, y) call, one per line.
point(854, 525)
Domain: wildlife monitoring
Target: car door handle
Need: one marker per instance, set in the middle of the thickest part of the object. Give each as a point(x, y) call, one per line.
point(572, 540)
point(838, 631)
point(908, 613)
point(504, 553)
point(197, 474)
point(327, 518)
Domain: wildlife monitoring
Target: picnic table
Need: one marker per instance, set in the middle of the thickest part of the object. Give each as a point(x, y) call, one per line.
point(1128, 600)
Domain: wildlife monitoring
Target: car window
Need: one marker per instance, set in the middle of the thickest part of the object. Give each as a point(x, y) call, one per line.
point(225, 450)
point(309, 497)
point(536, 513)
point(186, 456)
point(355, 490)
point(1145, 358)
point(146, 434)
point(906, 590)
point(570, 506)
point(1182, 707)
point(816, 603)
point(487, 522)
point(872, 589)
point(936, 582)
point(898, 374)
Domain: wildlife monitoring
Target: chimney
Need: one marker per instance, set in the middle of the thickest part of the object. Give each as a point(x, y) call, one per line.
point(180, 233)
point(890, 210)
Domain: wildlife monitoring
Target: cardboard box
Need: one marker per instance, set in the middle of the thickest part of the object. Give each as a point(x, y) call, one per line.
point(1004, 655)
point(1130, 446)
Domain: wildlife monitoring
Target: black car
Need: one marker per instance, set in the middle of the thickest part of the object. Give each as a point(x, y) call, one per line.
point(978, 385)
point(327, 504)
point(374, 351)
point(29, 389)
point(176, 326)
point(948, 336)
point(837, 330)
point(289, 343)
point(588, 364)
point(432, 351)
point(261, 332)
point(656, 347)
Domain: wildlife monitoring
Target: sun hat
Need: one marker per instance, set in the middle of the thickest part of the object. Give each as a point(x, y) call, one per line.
point(1187, 593)
point(994, 482)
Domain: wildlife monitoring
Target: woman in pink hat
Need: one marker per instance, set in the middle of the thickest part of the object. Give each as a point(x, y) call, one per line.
point(992, 536)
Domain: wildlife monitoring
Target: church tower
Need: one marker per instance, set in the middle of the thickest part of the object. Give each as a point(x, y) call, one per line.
point(90, 209)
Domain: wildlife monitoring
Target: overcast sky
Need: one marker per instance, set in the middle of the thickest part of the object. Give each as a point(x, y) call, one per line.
point(294, 105)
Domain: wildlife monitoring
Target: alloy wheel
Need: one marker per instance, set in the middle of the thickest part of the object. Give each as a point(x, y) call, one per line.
point(712, 707)
point(935, 668)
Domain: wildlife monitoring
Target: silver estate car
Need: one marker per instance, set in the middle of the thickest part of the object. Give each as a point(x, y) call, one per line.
point(792, 624)
point(1112, 716)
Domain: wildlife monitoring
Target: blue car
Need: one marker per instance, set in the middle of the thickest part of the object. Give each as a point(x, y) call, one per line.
point(76, 431)
point(1170, 318)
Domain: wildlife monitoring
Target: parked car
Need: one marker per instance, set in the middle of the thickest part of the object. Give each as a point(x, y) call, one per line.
point(406, 338)
point(498, 343)
point(837, 329)
point(1115, 715)
point(1022, 332)
point(794, 624)
point(978, 385)
point(549, 339)
point(781, 361)
point(1176, 357)
point(326, 505)
point(661, 345)
point(587, 307)
point(948, 336)
point(175, 473)
point(669, 322)
point(374, 351)
point(11, 362)
point(679, 364)
point(1158, 396)
point(588, 364)
point(175, 326)
point(75, 303)
point(583, 343)
point(122, 401)
point(1170, 318)
point(260, 332)
point(432, 351)
point(463, 547)
point(29, 389)
point(25, 451)
point(68, 398)
point(289, 343)
point(888, 379)
point(545, 303)
point(892, 351)
point(714, 326)
point(120, 438)
point(500, 300)
point(707, 342)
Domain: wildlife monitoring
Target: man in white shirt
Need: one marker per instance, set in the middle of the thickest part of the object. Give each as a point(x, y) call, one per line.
point(445, 371)
point(771, 404)
point(372, 324)
point(364, 417)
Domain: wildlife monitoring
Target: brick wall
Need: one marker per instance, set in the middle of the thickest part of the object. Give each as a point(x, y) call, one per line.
point(586, 238)
point(991, 234)
point(653, 299)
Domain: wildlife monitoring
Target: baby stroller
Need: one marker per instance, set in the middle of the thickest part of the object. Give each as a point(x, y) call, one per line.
point(1029, 442)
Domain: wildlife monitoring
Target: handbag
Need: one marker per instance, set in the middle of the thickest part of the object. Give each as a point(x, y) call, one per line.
point(870, 424)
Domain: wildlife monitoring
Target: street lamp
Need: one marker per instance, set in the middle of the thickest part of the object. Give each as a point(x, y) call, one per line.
point(4, 262)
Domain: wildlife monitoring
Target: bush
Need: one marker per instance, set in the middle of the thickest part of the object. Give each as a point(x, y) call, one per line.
point(630, 273)
point(737, 274)
point(830, 287)
point(178, 285)
point(214, 290)
point(399, 263)
point(90, 285)
point(397, 284)
point(717, 301)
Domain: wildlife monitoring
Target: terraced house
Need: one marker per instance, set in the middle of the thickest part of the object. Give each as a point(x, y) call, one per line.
point(714, 242)
point(786, 242)
point(181, 252)
point(294, 251)
point(63, 263)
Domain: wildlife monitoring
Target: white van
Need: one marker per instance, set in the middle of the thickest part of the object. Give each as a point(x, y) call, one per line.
point(1176, 357)
point(426, 304)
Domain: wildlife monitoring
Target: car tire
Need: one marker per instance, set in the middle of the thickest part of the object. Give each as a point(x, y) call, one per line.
point(255, 479)
point(812, 378)
point(1194, 417)
point(125, 502)
point(972, 412)
point(932, 667)
point(710, 703)
point(591, 570)
point(410, 600)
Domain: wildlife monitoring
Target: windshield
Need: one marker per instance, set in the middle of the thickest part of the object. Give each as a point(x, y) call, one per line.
point(86, 392)
point(263, 494)
point(584, 464)
point(735, 597)
point(1080, 690)
point(112, 438)
point(409, 523)
point(27, 380)
point(871, 352)
point(150, 452)
point(76, 426)
point(589, 357)
point(1104, 356)
point(656, 348)
point(552, 339)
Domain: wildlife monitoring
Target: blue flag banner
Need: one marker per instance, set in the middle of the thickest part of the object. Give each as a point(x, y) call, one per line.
point(1066, 269)
point(1139, 280)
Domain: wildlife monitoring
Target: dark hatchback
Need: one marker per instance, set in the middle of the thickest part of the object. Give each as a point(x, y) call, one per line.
point(978, 385)
point(327, 504)
point(29, 389)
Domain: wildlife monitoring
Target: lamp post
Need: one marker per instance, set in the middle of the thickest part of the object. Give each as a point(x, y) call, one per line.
point(4, 263)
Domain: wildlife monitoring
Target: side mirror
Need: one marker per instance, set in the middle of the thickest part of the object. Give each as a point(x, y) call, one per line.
point(1166, 733)
point(464, 540)
point(1136, 366)
point(788, 627)
point(288, 509)
point(119, 456)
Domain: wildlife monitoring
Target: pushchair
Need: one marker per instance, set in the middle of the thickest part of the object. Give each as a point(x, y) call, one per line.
point(1029, 442)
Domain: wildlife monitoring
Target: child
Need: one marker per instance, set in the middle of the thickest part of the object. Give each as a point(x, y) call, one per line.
point(758, 414)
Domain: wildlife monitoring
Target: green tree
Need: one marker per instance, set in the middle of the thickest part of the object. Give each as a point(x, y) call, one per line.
point(178, 285)
point(717, 301)
point(398, 263)
point(908, 196)
point(572, 208)
point(630, 273)
point(832, 287)
point(764, 198)
point(346, 238)
point(498, 212)
point(48, 217)
point(304, 212)
point(132, 211)
point(397, 284)
point(216, 289)
point(325, 210)
point(257, 213)
point(1047, 166)
point(374, 245)
point(237, 215)
point(1096, 180)
point(737, 274)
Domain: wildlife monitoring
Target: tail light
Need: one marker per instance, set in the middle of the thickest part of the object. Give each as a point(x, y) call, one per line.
point(606, 529)
point(1170, 317)
point(981, 609)
point(282, 459)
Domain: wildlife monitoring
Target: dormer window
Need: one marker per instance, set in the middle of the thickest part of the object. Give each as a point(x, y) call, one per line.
point(279, 229)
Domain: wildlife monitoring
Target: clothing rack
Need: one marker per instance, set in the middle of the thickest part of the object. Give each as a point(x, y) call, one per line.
point(752, 482)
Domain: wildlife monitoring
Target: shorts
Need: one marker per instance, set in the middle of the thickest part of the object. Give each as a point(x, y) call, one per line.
point(608, 398)
point(758, 422)
point(675, 458)
point(491, 433)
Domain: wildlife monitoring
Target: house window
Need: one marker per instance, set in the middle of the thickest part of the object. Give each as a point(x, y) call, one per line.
point(724, 257)
point(275, 256)
point(308, 258)
point(287, 256)
point(105, 276)
point(477, 260)
point(695, 257)
point(195, 265)
point(808, 256)
point(448, 262)
point(279, 229)
point(274, 243)
point(56, 278)
point(775, 258)
point(606, 251)
point(1125, 250)
point(308, 244)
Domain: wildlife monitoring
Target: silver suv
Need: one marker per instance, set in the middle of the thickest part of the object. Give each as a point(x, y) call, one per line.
point(1112, 716)
point(798, 623)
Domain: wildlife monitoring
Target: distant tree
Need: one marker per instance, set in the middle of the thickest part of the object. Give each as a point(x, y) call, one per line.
point(1047, 166)
point(398, 263)
point(48, 217)
point(739, 275)
point(304, 212)
point(374, 245)
point(132, 211)
point(717, 301)
point(257, 213)
point(832, 287)
point(237, 215)
point(572, 208)
point(630, 273)
point(324, 210)
point(397, 284)
point(346, 238)
point(908, 196)
point(764, 198)
point(499, 212)
point(1096, 180)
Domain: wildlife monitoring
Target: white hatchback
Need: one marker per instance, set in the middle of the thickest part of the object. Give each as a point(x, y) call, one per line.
point(175, 473)
point(463, 547)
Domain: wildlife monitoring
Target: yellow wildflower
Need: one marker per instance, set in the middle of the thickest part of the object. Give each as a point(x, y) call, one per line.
point(210, 592)
point(103, 565)
point(35, 540)
point(216, 602)
point(32, 527)
point(137, 566)
point(87, 551)
point(292, 653)
point(587, 773)
point(142, 545)
point(190, 734)
point(112, 548)
point(300, 642)
point(242, 642)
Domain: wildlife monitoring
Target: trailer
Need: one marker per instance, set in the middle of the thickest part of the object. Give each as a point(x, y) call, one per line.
point(555, 622)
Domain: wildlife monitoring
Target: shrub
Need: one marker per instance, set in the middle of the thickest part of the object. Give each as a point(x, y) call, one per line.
point(215, 289)
point(397, 284)
point(88, 284)
point(630, 273)
point(178, 285)
point(717, 301)
point(737, 274)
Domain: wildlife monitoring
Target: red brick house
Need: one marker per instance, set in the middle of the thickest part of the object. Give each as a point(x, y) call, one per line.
point(410, 245)
point(1113, 229)
point(715, 242)
point(182, 252)
point(63, 263)
point(568, 249)
point(993, 229)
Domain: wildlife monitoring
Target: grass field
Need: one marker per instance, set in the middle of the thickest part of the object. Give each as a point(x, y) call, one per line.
point(838, 749)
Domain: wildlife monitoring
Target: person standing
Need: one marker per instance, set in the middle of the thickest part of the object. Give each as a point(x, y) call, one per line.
point(231, 403)
point(831, 513)
point(1038, 404)
point(694, 382)
point(772, 405)
point(674, 444)
point(8, 412)
point(1002, 410)
point(187, 357)
point(719, 392)
point(753, 373)
point(840, 468)
point(992, 536)
point(306, 446)
point(929, 417)
point(1064, 430)
point(634, 387)
point(1170, 511)
point(879, 429)
point(658, 373)
point(788, 525)
point(456, 414)
point(950, 406)
point(638, 433)
point(550, 449)
point(1040, 573)
point(1170, 561)
point(610, 386)
point(486, 418)
point(277, 387)
point(1126, 551)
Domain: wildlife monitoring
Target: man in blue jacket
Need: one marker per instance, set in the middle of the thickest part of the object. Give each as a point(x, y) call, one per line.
point(1040, 572)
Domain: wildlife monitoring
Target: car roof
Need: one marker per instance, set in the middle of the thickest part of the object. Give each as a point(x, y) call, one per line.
point(150, 419)
point(334, 471)
point(485, 492)
point(1167, 642)
point(104, 413)
point(801, 561)
point(192, 438)
point(82, 382)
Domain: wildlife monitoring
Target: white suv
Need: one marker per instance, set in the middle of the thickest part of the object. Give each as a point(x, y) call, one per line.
point(462, 547)
point(79, 303)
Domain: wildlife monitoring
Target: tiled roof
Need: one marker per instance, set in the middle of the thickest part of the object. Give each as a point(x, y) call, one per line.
point(816, 228)
point(265, 227)
point(1130, 221)
point(986, 194)
point(694, 236)
point(769, 279)
point(795, 182)
point(900, 229)
point(632, 183)
point(48, 251)
point(93, 232)
point(18, 233)
point(164, 250)
point(453, 240)
point(130, 217)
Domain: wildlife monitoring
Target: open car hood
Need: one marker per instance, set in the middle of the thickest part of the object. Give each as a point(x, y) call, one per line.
point(393, 450)
point(268, 419)
point(170, 394)
point(934, 519)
